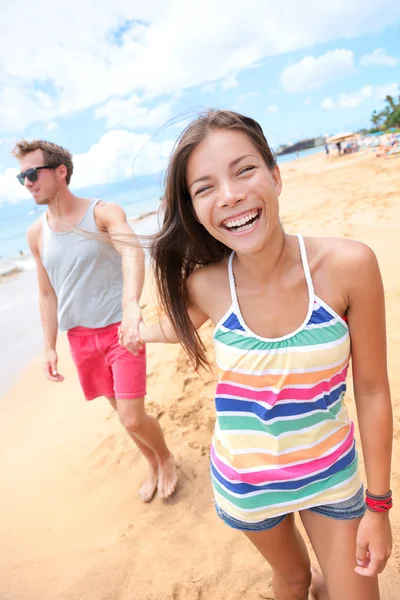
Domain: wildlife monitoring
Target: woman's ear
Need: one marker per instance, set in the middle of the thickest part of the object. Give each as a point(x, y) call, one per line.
point(276, 176)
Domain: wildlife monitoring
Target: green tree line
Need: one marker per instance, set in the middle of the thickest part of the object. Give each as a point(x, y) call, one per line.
point(389, 116)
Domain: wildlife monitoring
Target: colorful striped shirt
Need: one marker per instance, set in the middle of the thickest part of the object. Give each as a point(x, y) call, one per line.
point(283, 440)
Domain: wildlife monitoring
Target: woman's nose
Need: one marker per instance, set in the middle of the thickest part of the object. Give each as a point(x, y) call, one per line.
point(229, 195)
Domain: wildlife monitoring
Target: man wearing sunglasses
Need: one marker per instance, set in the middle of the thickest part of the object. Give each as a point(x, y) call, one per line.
point(90, 282)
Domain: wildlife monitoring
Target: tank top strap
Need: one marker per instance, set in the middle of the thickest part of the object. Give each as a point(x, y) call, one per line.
point(232, 284)
point(89, 222)
point(306, 267)
point(45, 224)
point(46, 231)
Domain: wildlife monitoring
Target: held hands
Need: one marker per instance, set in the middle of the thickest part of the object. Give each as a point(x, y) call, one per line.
point(374, 543)
point(129, 330)
point(50, 367)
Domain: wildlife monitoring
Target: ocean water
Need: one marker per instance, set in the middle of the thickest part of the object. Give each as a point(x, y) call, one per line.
point(20, 331)
point(285, 158)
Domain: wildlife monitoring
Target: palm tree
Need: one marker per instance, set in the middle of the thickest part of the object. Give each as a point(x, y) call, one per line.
point(375, 118)
point(389, 116)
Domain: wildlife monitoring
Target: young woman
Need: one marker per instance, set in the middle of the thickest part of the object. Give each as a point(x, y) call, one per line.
point(289, 313)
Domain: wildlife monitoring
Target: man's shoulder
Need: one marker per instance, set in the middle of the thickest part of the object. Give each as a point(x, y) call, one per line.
point(35, 229)
point(107, 212)
point(104, 206)
point(33, 234)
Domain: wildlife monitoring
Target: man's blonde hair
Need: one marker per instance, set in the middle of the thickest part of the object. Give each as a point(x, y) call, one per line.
point(53, 154)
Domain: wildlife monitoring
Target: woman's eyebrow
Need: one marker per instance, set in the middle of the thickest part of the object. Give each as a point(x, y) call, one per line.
point(232, 164)
point(237, 160)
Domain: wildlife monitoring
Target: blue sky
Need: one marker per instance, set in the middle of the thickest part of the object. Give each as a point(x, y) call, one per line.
point(106, 81)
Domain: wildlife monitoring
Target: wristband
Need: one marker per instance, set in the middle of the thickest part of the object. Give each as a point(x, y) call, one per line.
point(379, 503)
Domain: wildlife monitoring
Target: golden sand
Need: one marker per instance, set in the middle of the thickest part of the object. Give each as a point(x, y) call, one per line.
point(72, 525)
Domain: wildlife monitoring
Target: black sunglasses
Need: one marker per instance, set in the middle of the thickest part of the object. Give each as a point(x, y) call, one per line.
point(32, 174)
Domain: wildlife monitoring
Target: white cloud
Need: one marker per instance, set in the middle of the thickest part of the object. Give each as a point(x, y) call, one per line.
point(328, 104)
point(230, 82)
point(131, 113)
point(51, 126)
point(271, 109)
point(312, 73)
point(391, 89)
point(118, 155)
point(10, 189)
point(209, 88)
point(379, 58)
point(247, 96)
point(125, 47)
point(353, 99)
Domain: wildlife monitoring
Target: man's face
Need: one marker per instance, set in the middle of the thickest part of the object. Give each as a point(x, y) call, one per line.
point(46, 186)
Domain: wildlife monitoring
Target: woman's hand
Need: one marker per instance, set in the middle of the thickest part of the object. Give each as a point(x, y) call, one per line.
point(374, 543)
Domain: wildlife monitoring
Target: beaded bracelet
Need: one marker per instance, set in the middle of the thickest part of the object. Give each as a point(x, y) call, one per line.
point(378, 503)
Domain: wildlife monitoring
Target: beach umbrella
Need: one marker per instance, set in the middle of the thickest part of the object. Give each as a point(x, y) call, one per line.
point(339, 137)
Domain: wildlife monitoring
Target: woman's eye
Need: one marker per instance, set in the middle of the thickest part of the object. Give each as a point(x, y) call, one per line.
point(246, 170)
point(201, 190)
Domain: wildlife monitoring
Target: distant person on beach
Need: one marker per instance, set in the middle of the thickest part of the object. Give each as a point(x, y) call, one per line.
point(90, 288)
point(339, 147)
point(326, 146)
point(289, 313)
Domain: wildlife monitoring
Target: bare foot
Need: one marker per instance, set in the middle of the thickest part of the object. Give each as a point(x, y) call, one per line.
point(318, 589)
point(149, 487)
point(167, 477)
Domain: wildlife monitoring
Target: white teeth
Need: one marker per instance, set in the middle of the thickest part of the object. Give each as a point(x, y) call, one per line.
point(241, 223)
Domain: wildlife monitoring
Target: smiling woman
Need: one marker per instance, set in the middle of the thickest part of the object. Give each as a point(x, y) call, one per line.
point(289, 313)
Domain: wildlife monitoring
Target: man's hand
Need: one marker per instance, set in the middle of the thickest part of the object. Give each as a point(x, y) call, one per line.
point(128, 333)
point(50, 366)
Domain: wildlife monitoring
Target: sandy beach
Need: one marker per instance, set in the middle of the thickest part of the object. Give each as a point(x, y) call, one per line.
point(72, 525)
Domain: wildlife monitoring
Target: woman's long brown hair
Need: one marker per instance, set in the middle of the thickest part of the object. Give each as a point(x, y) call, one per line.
point(182, 244)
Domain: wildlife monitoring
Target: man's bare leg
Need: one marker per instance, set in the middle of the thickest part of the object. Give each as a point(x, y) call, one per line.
point(147, 434)
point(149, 487)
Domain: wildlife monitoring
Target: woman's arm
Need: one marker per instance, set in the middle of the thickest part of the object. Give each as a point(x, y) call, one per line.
point(163, 331)
point(366, 320)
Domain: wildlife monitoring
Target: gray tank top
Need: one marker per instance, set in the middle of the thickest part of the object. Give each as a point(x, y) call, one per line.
point(86, 275)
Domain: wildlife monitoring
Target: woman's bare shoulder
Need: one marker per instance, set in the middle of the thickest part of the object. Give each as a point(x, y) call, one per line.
point(206, 281)
point(339, 253)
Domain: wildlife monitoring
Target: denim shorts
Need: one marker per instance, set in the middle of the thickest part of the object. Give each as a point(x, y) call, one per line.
point(353, 508)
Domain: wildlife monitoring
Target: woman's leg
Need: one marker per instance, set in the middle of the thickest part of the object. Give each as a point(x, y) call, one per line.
point(334, 543)
point(285, 551)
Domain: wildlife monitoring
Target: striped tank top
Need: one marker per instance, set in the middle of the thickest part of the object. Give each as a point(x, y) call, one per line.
point(283, 441)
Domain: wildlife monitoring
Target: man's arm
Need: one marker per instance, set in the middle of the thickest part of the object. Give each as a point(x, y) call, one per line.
point(47, 306)
point(112, 219)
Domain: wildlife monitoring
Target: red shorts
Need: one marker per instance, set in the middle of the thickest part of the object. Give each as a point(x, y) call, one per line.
point(106, 368)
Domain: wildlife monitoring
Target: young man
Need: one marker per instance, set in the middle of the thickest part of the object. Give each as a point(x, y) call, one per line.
point(90, 284)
